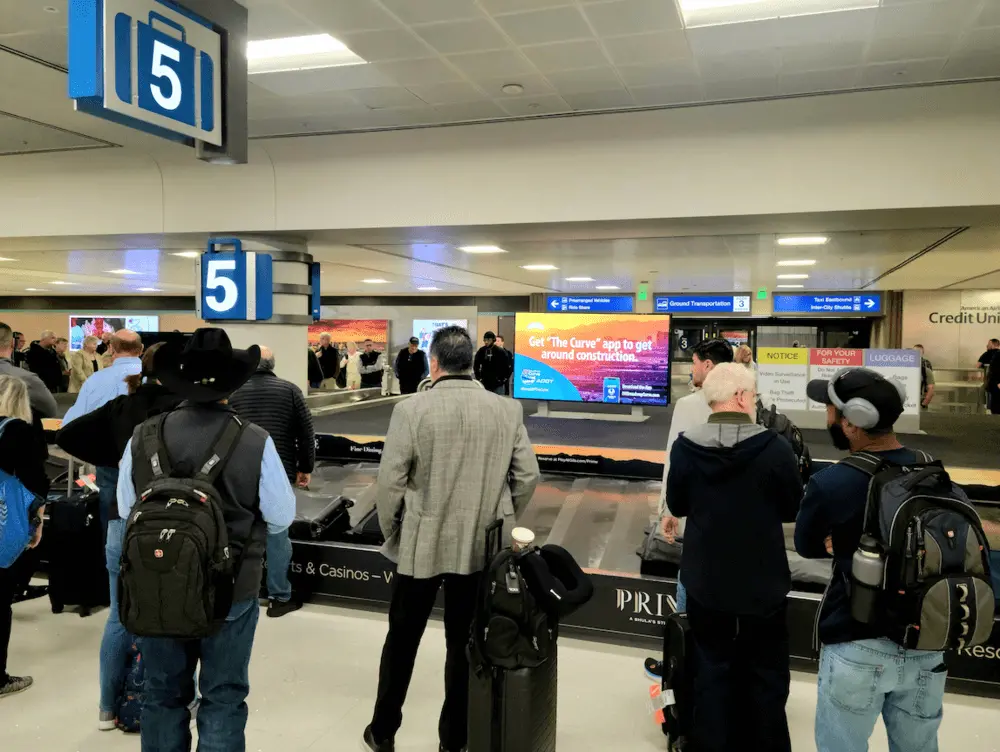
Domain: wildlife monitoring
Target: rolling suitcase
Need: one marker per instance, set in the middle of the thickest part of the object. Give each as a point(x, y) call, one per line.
point(367, 532)
point(678, 681)
point(319, 517)
point(78, 575)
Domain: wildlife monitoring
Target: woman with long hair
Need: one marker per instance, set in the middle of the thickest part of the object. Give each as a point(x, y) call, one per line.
point(21, 457)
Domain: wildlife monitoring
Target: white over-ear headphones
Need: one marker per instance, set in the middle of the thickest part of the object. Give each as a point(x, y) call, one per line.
point(859, 411)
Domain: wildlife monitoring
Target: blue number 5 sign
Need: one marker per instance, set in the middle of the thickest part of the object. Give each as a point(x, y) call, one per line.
point(236, 285)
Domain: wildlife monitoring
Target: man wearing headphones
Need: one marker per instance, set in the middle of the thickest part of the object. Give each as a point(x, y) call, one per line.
point(862, 673)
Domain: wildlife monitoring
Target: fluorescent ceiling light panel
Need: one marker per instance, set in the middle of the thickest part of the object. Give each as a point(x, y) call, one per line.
point(122, 271)
point(790, 287)
point(60, 282)
point(805, 240)
point(579, 279)
point(539, 268)
point(797, 262)
point(428, 289)
point(375, 281)
point(719, 12)
point(298, 53)
point(150, 289)
point(793, 276)
point(187, 254)
point(481, 249)
point(4, 258)
point(607, 287)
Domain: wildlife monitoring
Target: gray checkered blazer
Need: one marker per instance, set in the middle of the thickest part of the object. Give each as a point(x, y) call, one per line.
point(456, 458)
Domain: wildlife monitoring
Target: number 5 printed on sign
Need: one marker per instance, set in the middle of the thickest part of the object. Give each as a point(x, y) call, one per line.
point(234, 285)
point(166, 76)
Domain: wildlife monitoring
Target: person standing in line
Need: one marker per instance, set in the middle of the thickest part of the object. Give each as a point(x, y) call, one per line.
point(105, 343)
point(22, 458)
point(329, 361)
point(862, 674)
point(510, 362)
point(350, 365)
point(257, 500)
point(926, 378)
point(43, 361)
point(18, 356)
point(43, 404)
point(411, 367)
point(314, 371)
point(690, 411)
point(455, 457)
point(491, 365)
point(84, 363)
point(983, 364)
point(64, 365)
point(371, 366)
point(279, 408)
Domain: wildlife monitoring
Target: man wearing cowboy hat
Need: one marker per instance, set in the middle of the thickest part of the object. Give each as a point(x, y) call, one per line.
point(257, 499)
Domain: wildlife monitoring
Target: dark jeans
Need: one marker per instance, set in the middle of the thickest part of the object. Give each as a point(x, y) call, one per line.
point(993, 399)
point(224, 680)
point(412, 601)
point(741, 680)
point(107, 488)
point(8, 580)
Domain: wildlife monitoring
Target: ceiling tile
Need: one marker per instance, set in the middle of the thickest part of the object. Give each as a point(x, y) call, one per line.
point(459, 112)
point(430, 11)
point(822, 28)
point(522, 106)
point(459, 91)
point(913, 71)
point(517, 6)
point(622, 17)
point(762, 64)
point(562, 56)
point(419, 72)
point(747, 88)
point(676, 73)
point(973, 66)
point(649, 96)
point(732, 38)
point(476, 35)
point(599, 100)
point(321, 103)
point(274, 21)
point(584, 81)
point(297, 83)
point(923, 47)
point(385, 97)
point(818, 81)
point(49, 46)
point(490, 65)
point(388, 118)
point(341, 17)
point(19, 136)
point(389, 44)
point(913, 19)
point(648, 49)
point(989, 15)
point(533, 86)
point(981, 40)
point(811, 57)
point(543, 26)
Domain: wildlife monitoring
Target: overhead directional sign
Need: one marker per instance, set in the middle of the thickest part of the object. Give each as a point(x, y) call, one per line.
point(829, 304)
point(590, 304)
point(161, 67)
point(235, 285)
point(703, 304)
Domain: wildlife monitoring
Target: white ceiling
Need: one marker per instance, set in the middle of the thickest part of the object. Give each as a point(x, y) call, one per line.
point(445, 61)
point(851, 260)
point(19, 136)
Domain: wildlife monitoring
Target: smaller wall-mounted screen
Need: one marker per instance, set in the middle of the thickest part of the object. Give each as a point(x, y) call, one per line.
point(81, 326)
point(423, 329)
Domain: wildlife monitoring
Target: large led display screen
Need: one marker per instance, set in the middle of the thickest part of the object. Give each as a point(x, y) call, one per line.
point(357, 331)
point(81, 327)
point(592, 357)
point(423, 329)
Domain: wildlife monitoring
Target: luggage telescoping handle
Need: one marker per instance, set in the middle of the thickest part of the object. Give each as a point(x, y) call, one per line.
point(494, 541)
point(154, 16)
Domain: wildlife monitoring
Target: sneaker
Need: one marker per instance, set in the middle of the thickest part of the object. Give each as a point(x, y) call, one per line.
point(277, 609)
point(15, 684)
point(31, 592)
point(654, 669)
point(368, 743)
point(106, 721)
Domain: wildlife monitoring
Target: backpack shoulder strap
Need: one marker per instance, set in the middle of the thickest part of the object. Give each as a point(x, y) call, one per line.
point(221, 450)
point(154, 449)
point(865, 462)
point(923, 457)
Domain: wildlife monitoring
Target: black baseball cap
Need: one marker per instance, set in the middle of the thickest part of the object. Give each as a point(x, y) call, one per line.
point(414, 341)
point(883, 394)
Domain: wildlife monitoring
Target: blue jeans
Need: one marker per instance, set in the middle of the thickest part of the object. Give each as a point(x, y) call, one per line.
point(859, 681)
point(682, 596)
point(224, 680)
point(279, 558)
point(116, 640)
point(107, 489)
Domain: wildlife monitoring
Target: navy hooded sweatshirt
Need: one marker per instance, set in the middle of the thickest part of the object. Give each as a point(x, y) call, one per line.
point(736, 482)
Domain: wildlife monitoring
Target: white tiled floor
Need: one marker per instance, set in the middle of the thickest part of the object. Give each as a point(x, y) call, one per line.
point(314, 675)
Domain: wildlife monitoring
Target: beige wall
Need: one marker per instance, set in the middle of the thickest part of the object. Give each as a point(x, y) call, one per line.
point(957, 343)
point(33, 323)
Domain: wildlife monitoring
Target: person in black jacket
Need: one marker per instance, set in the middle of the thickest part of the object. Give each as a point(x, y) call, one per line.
point(329, 361)
point(279, 408)
point(411, 367)
point(510, 363)
point(736, 482)
point(20, 457)
point(43, 361)
point(372, 366)
point(491, 366)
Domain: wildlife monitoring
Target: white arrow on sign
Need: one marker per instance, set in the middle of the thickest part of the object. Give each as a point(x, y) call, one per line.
point(555, 303)
point(869, 303)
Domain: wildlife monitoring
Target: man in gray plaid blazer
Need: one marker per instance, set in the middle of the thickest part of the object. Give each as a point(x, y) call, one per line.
point(456, 458)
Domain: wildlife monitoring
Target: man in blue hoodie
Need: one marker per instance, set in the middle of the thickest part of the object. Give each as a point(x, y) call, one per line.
point(736, 482)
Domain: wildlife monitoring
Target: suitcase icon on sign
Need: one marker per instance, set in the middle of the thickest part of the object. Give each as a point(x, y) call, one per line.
point(172, 77)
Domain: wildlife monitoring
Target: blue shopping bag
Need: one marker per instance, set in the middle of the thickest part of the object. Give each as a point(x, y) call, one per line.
point(15, 512)
point(166, 77)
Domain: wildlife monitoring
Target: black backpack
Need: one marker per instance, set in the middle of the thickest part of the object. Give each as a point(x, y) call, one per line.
point(510, 630)
point(936, 591)
point(177, 575)
point(782, 425)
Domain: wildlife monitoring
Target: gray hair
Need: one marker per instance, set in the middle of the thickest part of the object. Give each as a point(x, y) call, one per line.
point(91, 340)
point(47, 333)
point(6, 337)
point(266, 359)
point(453, 349)
point(727, 380)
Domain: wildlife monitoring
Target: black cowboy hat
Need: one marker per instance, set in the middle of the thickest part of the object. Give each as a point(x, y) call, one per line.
point(206, 368)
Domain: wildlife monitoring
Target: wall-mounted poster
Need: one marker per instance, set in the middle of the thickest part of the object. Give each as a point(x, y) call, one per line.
point(351, 330)
point(96, 325)
point(423, 329)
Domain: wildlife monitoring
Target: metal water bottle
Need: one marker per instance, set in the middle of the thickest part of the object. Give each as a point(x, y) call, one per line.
point(867, 571)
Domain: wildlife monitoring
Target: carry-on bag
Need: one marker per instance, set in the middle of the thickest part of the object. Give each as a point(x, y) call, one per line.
point(74, 541)
point(319, 517)
point(677, 690)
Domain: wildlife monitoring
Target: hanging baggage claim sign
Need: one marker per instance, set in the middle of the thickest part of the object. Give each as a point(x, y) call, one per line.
point(177, 71)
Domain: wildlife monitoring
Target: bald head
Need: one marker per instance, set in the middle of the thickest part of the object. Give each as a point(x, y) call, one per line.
point(266, 359)
point(126, 344)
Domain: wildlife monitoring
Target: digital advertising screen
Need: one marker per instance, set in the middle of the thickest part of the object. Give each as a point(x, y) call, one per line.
point(612, 358)
point(423, 329)
point(81, 327)
point(351, 330)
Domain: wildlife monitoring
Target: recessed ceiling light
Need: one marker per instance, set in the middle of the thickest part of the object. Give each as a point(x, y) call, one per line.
point(298, 53)
point(790, 287)
point(607, 287)
point(717, 12)
point(50, 9)
point(122, 271)
point(34, 289)
point(512, 90)
point(375, 281)
point(805, 240)
point(539, 268)
point(4, 258)
point(187, 254)
point(60, 282)
point(150, 289)
point(793, 276)
point(797, 262)
point(579, 279)
point(428, 289)
point(481, 249)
